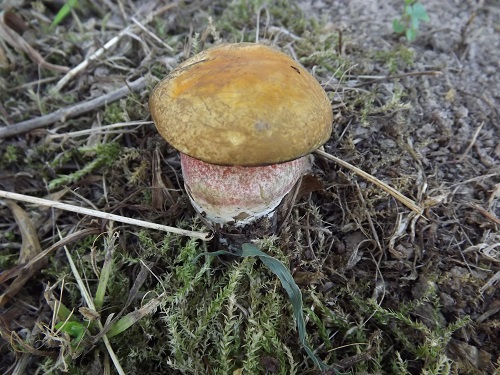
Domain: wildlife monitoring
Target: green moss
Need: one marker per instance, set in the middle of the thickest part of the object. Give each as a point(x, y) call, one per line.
point(11, 154)
point(238, 15)
point(103, 155)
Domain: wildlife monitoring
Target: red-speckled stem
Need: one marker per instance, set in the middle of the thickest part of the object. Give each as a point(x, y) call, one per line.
point(237, 194)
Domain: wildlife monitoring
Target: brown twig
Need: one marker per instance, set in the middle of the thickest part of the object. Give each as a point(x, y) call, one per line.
point(72, 111)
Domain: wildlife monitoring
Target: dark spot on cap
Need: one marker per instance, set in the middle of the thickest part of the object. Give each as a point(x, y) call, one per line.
point(295, 68)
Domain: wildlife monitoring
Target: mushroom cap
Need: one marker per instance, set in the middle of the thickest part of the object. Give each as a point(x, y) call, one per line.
point(242, 104)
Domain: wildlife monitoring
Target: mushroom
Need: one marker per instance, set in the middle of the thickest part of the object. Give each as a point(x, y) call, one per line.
point(244, 117)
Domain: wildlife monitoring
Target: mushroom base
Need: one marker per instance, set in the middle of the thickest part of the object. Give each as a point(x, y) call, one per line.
point(239, 195)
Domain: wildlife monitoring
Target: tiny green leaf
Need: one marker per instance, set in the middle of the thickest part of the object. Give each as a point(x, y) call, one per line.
point(411, 35)
point(419, 12)
point(414, 23)
point(398, 27)
point(73, 329)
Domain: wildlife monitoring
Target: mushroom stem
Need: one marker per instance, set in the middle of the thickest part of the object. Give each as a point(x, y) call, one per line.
point(239, 195)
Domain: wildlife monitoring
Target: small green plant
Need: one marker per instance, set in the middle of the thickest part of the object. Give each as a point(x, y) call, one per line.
point(105, 155)
point(10, 155)
point(76, 334)
point(408, 23)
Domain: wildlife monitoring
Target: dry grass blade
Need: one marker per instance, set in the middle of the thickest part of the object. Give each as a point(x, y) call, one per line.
point(30, 243)
point(17, 41)
point(29, 250)
point(106, 129)
point(396, 194)
point(205, 236)
point(110, 44)
point(24, 272)
point(486, 213)
point(133, 317)
point(397, 76)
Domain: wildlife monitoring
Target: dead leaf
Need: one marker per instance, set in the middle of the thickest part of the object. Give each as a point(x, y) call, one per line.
point(89, 314)
point(15, 22)
point(30, 243)
point(30, 249)
point(309, 184)
point(24, 272)
point(468, 356)
point(307, 278)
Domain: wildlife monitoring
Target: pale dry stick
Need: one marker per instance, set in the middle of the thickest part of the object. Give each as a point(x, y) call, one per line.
point(282, 30)
point(396, 194)
point(474, 138)
point(257, 25)
point(101, 130)
point(110, 44)
point(152, 35)
point(396, 76)
point(205, 236)
point(72, 111)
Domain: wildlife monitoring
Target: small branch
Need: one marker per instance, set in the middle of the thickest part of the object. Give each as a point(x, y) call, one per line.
point(396, 194)
point(103, 215)
point(106, 129)
point(72, 111)
point(152, 35)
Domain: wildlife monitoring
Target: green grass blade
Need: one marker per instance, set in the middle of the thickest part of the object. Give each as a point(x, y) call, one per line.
point(63, 12)
point(105, 273)
point(130, 319)
point(293, 292)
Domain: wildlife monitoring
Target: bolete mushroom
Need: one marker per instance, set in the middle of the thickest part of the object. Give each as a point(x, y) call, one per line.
point(244, 117)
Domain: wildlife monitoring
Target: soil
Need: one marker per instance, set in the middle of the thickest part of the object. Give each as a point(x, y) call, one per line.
point(420, 116)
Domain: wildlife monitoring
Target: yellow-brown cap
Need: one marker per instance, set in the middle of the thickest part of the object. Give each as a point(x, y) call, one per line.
point(242, 104)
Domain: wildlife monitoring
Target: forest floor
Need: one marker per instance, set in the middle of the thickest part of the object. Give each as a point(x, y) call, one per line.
point(385, 290)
